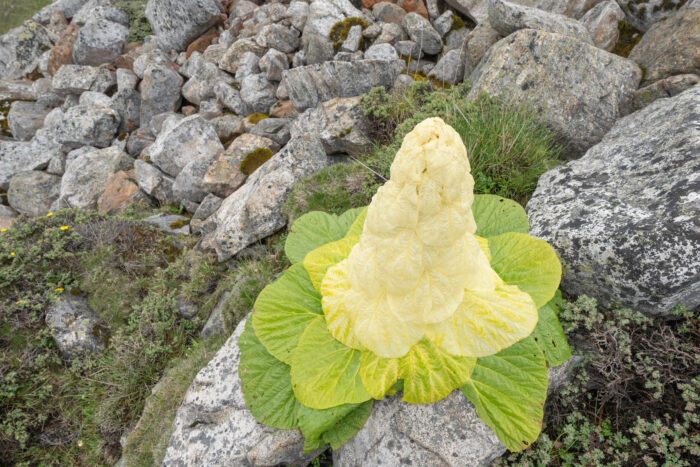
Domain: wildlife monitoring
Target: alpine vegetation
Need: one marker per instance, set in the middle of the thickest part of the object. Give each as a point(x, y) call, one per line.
point(428, 289)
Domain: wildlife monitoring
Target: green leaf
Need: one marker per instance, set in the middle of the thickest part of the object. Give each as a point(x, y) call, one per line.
point(283, 311)
point(321, 427)
point(318, 261)
point(315, 229)
point(348, 426)
point(428, 373)
point(359, 223)
point(549, 334)
point(509, 390)
point(266, 383)
point(495, 215)
point(326, 373)
point(527, 262)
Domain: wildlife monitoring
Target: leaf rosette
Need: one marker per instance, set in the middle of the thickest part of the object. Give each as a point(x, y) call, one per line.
point(427, 290)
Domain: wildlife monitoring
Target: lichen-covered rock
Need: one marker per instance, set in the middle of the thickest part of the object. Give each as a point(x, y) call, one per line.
point(668, 87)
point(32, 192)
point(577, 89)
point(16, 157)
point(450, 68)
point(25, 118)
point(381, 52)
point(670, 47)
point(276, 129)
point(623, 218)
point(191, 138)
point(76, 79)
point(479, 41)
point(643, 13)
point(273, 63)
point(87, 175)
point(120, 192)
point(154, 182)
point(339, 123)
point(86, 125)
point(447, 433)
point(310, 85)
point(478, 9)
point(127, 104)
point(422, 33)
point(234, 55)
point(173, 224)
point(277, 36)
point(160, 91)
point(213, 427)
point(99, 41)
point(62, 52)
point(21, 49)
point(258, 93)
point(602, 22)
point(189, 183)
point(76, 329)
point(254, 211)
point(508, 17)
point(99, 9)
point(177, 23)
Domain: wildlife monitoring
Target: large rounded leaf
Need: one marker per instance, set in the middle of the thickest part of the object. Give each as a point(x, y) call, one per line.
point(509, 390)
point(334, 426)
point(495, 215)
point(549, 334)
point(527, 262)
point(266, 383)
point(326, 373)
point(315, 229)
point(283, 311)
point(318, 261)
point(359, 223)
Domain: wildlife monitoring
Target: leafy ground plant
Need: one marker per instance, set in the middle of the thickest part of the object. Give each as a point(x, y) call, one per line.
point(427, 290)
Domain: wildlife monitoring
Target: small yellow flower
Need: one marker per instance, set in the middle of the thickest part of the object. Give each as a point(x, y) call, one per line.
point(64, 227)
point(58, 289)
point(80, 443)
point(49, 214)
point(18, 302)
point(3, 230)
point(12, 254)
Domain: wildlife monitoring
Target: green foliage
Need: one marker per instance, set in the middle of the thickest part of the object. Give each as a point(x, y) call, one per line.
point(340, 30)
point(139, 27)
point(257, 117)
point(255, 159)
point(14, 13)
point(635, 402)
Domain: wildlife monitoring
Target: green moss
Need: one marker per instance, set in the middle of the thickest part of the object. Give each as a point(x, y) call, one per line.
point(235, 85)
point(457, 23)
point(629, 37)
point(644, 72)
point(340, 30)
point(345, 132)
point(139, 27)
point(255, 159)
point(257, 117)
point(179, 224)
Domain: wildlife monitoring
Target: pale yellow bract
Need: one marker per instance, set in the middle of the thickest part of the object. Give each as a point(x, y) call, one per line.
point(418, 270)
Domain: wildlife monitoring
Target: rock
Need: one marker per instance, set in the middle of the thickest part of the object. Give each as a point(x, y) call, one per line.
point(298, 12)
point(310, 85)
point(273, 63)
point(668, 87)
point(422, 33)
point(354, 39)
point(155, 58)
point(457, 39)
point(32, 192)
point(248, 65)
point(443, 24)
point(450, 68)
point(409, 49)
point(189, 183)
point(154, 182)
point(277, 36)
point(339, 123)
point(139, 140)
point(76, 79)
point(215, 52)
point(227, 127)
point(17, 89)
point(215, 324)
point(202, 42)
point(276, 129)
point(170, 223)
point(202, 84)
point(642, 14)
point(96, 9)
point(602, 24)
point(576, 88)
point(231, 98)
point(87, 125)
point(126, 79)
point(209, 205)
point(623, 218)
point(254, 212)
point(506, 18)
point(87, 175)
point(127, 104)
point(62, 52)
point(323, 15)
point(68, 7)
point(177, 23)
point(445, 433)
point(76, 329)
point(121, 192)
point(99, 41)
point(21, 48)
point(93, 98)
point(232, 58)
point(381, 52)
point(479, 41)
point(387, 12)
point(670, 47)
point(192, 138)
point(258, 93)
point(213, 427)
point(224, 176)
point(283, 109)
point(160, 91)
point(478, 9)
point(391, 33)
point(8, 216)
point(25, 118)
point(420, 66)
point(413, 6)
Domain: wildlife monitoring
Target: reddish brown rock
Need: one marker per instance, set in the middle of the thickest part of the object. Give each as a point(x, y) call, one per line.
point(121, 192)
point(62, 52)
point(202, 42)
point(224, 176)
point(283, 109)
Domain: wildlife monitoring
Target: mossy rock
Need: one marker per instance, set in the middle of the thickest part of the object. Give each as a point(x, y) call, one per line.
point(457, 23)
point(5, 105)
point(629, 37)
point(255, 159)
point(340, 30)
point(257, 117)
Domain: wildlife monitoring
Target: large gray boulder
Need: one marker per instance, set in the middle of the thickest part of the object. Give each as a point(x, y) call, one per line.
point(254, 211)
point(77, 79)
point(32, 192)
point(213, 427)
point(86, 176)
point(176, 23)
point(160, 91)
point(21, 49)
point(577, 89)
point(76, 329)
point(258, 93)
point(508, 17)
point(180, 143)
point(624, 218)
point(86, 125)
point(16, 157)
point(25, 118)
point(99, 41)
point(310, 85)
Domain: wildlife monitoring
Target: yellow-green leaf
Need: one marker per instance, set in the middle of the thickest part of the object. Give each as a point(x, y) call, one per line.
point(318, 261)
point(315, 229)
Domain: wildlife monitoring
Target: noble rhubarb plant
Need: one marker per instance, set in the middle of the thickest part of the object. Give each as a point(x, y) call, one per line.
point(427, 290)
